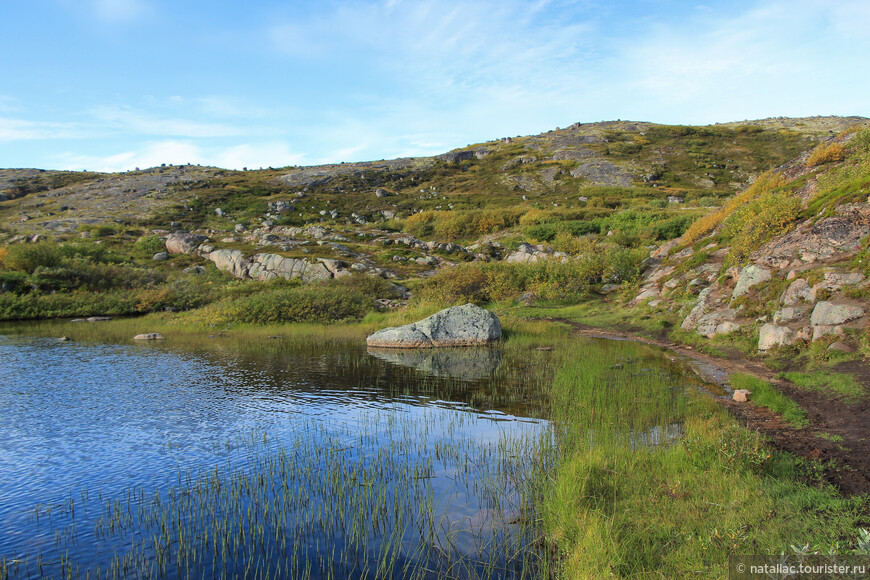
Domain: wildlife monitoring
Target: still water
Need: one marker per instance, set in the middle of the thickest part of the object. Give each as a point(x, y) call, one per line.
point(284, 458)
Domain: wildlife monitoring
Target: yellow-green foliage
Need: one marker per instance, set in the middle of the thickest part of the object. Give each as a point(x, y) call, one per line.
point(758, 221)
point(766, 182)
point(547, 279)
point(826, 153)
point(457, 225)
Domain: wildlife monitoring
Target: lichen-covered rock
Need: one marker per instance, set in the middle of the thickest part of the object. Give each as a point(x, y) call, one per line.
point(183, 243)
point(149, 336)
point(772, 335)
point(699, 310)
point(750, 276)
point(465, 325)
point(232, 261)
point(830, 314)
point(797, 292)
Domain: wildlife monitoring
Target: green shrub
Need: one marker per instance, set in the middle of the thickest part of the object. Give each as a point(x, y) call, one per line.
point(29, 257)
point(759, 221)
point(149, 245)
point(311, 303)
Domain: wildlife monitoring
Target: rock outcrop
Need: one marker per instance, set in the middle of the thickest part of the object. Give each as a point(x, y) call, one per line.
point(466, 325)
point(184, 243)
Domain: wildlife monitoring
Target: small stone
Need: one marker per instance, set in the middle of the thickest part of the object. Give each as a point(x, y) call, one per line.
point(741, 395)
point(840, 346)
point(64, 339)
point(161, 256)
point(791, 275)
point(149, 336)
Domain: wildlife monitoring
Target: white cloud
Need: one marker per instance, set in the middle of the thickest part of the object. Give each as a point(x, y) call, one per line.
point(132, 121)
point(772, 59)
point(24, 130)
point(275, 154)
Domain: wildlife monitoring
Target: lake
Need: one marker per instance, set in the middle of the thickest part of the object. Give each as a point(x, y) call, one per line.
point(279, 457)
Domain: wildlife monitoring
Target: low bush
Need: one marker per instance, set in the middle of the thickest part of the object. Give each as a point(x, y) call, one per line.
point(826, 153)
point(312, 303)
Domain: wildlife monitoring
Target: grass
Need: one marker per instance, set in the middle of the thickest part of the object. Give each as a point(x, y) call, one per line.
point(680, 507)
point(841, 385)
point(766, 395)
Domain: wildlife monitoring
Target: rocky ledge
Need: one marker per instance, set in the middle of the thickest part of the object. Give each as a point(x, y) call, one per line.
point(466, 325)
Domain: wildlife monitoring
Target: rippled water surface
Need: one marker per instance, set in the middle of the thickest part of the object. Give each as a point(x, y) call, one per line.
point(82, 423)
point(280, 457)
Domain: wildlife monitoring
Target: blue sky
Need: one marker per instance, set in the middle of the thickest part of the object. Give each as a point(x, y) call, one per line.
point(116, 84)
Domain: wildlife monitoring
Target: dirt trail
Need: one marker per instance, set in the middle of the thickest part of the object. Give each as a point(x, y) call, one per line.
point(847, 461)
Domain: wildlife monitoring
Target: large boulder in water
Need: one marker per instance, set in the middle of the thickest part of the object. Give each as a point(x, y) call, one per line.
point(466, 325)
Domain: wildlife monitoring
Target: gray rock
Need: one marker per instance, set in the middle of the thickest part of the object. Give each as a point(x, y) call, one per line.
point(149, 336)
point(240, 228)
point(717, 322)
point(381, 192)
point(830, 314)
point(750, 276)
point(219, 212)
point(797, 292)
point(465, 325)
point(281, 206)
point(822, 331)
point(698, 311)
point(772, 335)
point(786, 314)
point(181, 243)
point(160, 256)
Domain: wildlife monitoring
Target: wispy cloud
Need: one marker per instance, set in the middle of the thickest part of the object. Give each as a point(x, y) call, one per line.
point(132, 121)
point(116, 11)
point(253, 155)
point(24, 130)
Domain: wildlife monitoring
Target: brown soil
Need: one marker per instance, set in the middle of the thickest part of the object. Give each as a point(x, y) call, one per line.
point(846, 463)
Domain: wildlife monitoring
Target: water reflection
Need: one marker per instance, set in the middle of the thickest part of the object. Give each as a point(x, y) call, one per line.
point(469, 363)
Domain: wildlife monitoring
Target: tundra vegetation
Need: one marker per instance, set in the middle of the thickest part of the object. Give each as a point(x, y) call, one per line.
point(625, 226)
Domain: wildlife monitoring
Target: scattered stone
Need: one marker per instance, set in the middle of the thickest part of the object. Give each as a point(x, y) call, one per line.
point(281, 206)
point(830, 314)
point(240, 228)
point(149, 336)
point(219, 212)
point(98, 318)
point(182, 243)
point(160, 256)
point(820, 332)
point(741, 395)
point(772, 335)
point(64, 339)
point(195, 270)
point(465, 325)
point(381, 192)
point(750, 276)
point(797, 292)
point(675, 199)
point(840, 346)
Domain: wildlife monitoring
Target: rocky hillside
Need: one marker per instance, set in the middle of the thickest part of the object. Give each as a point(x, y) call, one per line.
point(784, 263)
point(564, 168)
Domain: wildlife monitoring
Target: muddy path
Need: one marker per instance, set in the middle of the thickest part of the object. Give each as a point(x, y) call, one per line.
point(838, 434)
